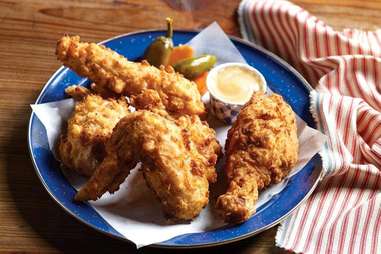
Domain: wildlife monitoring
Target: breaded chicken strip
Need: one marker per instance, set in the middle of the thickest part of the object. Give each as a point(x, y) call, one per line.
point(262, 147)
point(81, 146)
point(115, 75)
point(177, 161)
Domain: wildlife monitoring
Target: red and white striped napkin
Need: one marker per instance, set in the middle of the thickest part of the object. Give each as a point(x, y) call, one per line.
point(343, 215)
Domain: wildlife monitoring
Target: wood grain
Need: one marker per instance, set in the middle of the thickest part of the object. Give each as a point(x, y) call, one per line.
point(30, 220)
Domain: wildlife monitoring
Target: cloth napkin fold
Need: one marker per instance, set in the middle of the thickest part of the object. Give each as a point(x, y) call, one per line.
point(343, 215)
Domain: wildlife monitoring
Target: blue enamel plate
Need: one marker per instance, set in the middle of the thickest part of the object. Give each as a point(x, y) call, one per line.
point(281, 78)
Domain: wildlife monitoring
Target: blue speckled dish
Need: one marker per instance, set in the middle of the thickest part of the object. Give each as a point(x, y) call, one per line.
point(281, 78)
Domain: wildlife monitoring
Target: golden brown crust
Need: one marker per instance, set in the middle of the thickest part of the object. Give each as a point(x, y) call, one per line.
point(201, 141)
point(261, 149)
point(81, 146)
point(78, 93)
point(176, 166)
point(113, 73)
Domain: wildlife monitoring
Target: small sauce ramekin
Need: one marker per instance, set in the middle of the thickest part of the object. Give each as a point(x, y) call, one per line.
point(221, 108)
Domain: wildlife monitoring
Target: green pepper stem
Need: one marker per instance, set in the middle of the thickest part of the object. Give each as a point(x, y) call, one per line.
point(169, 27)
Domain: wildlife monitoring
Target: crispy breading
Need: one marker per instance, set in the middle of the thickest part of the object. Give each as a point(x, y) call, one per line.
point(114, 74)
point(81, 146)
point(262, 147)
point(177, 161)
point(202, 143)
point(78, 93)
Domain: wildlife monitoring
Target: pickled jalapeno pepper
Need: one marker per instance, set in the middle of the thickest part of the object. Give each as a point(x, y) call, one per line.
point(159, 51)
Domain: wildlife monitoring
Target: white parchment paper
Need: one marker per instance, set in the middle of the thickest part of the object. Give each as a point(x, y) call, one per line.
point(133, 210)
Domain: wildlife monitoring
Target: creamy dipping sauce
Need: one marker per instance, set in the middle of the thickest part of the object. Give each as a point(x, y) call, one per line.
point(234, 83)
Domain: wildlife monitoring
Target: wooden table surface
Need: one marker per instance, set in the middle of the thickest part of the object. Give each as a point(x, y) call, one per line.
point(30, 221)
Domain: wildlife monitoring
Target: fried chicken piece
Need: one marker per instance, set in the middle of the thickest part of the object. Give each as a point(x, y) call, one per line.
point(177, 161)
point(262, 147)
point(114, 74)
point(81, 146)
point(201, 141)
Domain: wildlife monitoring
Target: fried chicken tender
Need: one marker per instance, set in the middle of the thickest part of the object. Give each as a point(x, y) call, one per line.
point(82, 145)
point(115, 75)
point(262, 147)
point(178, 161)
